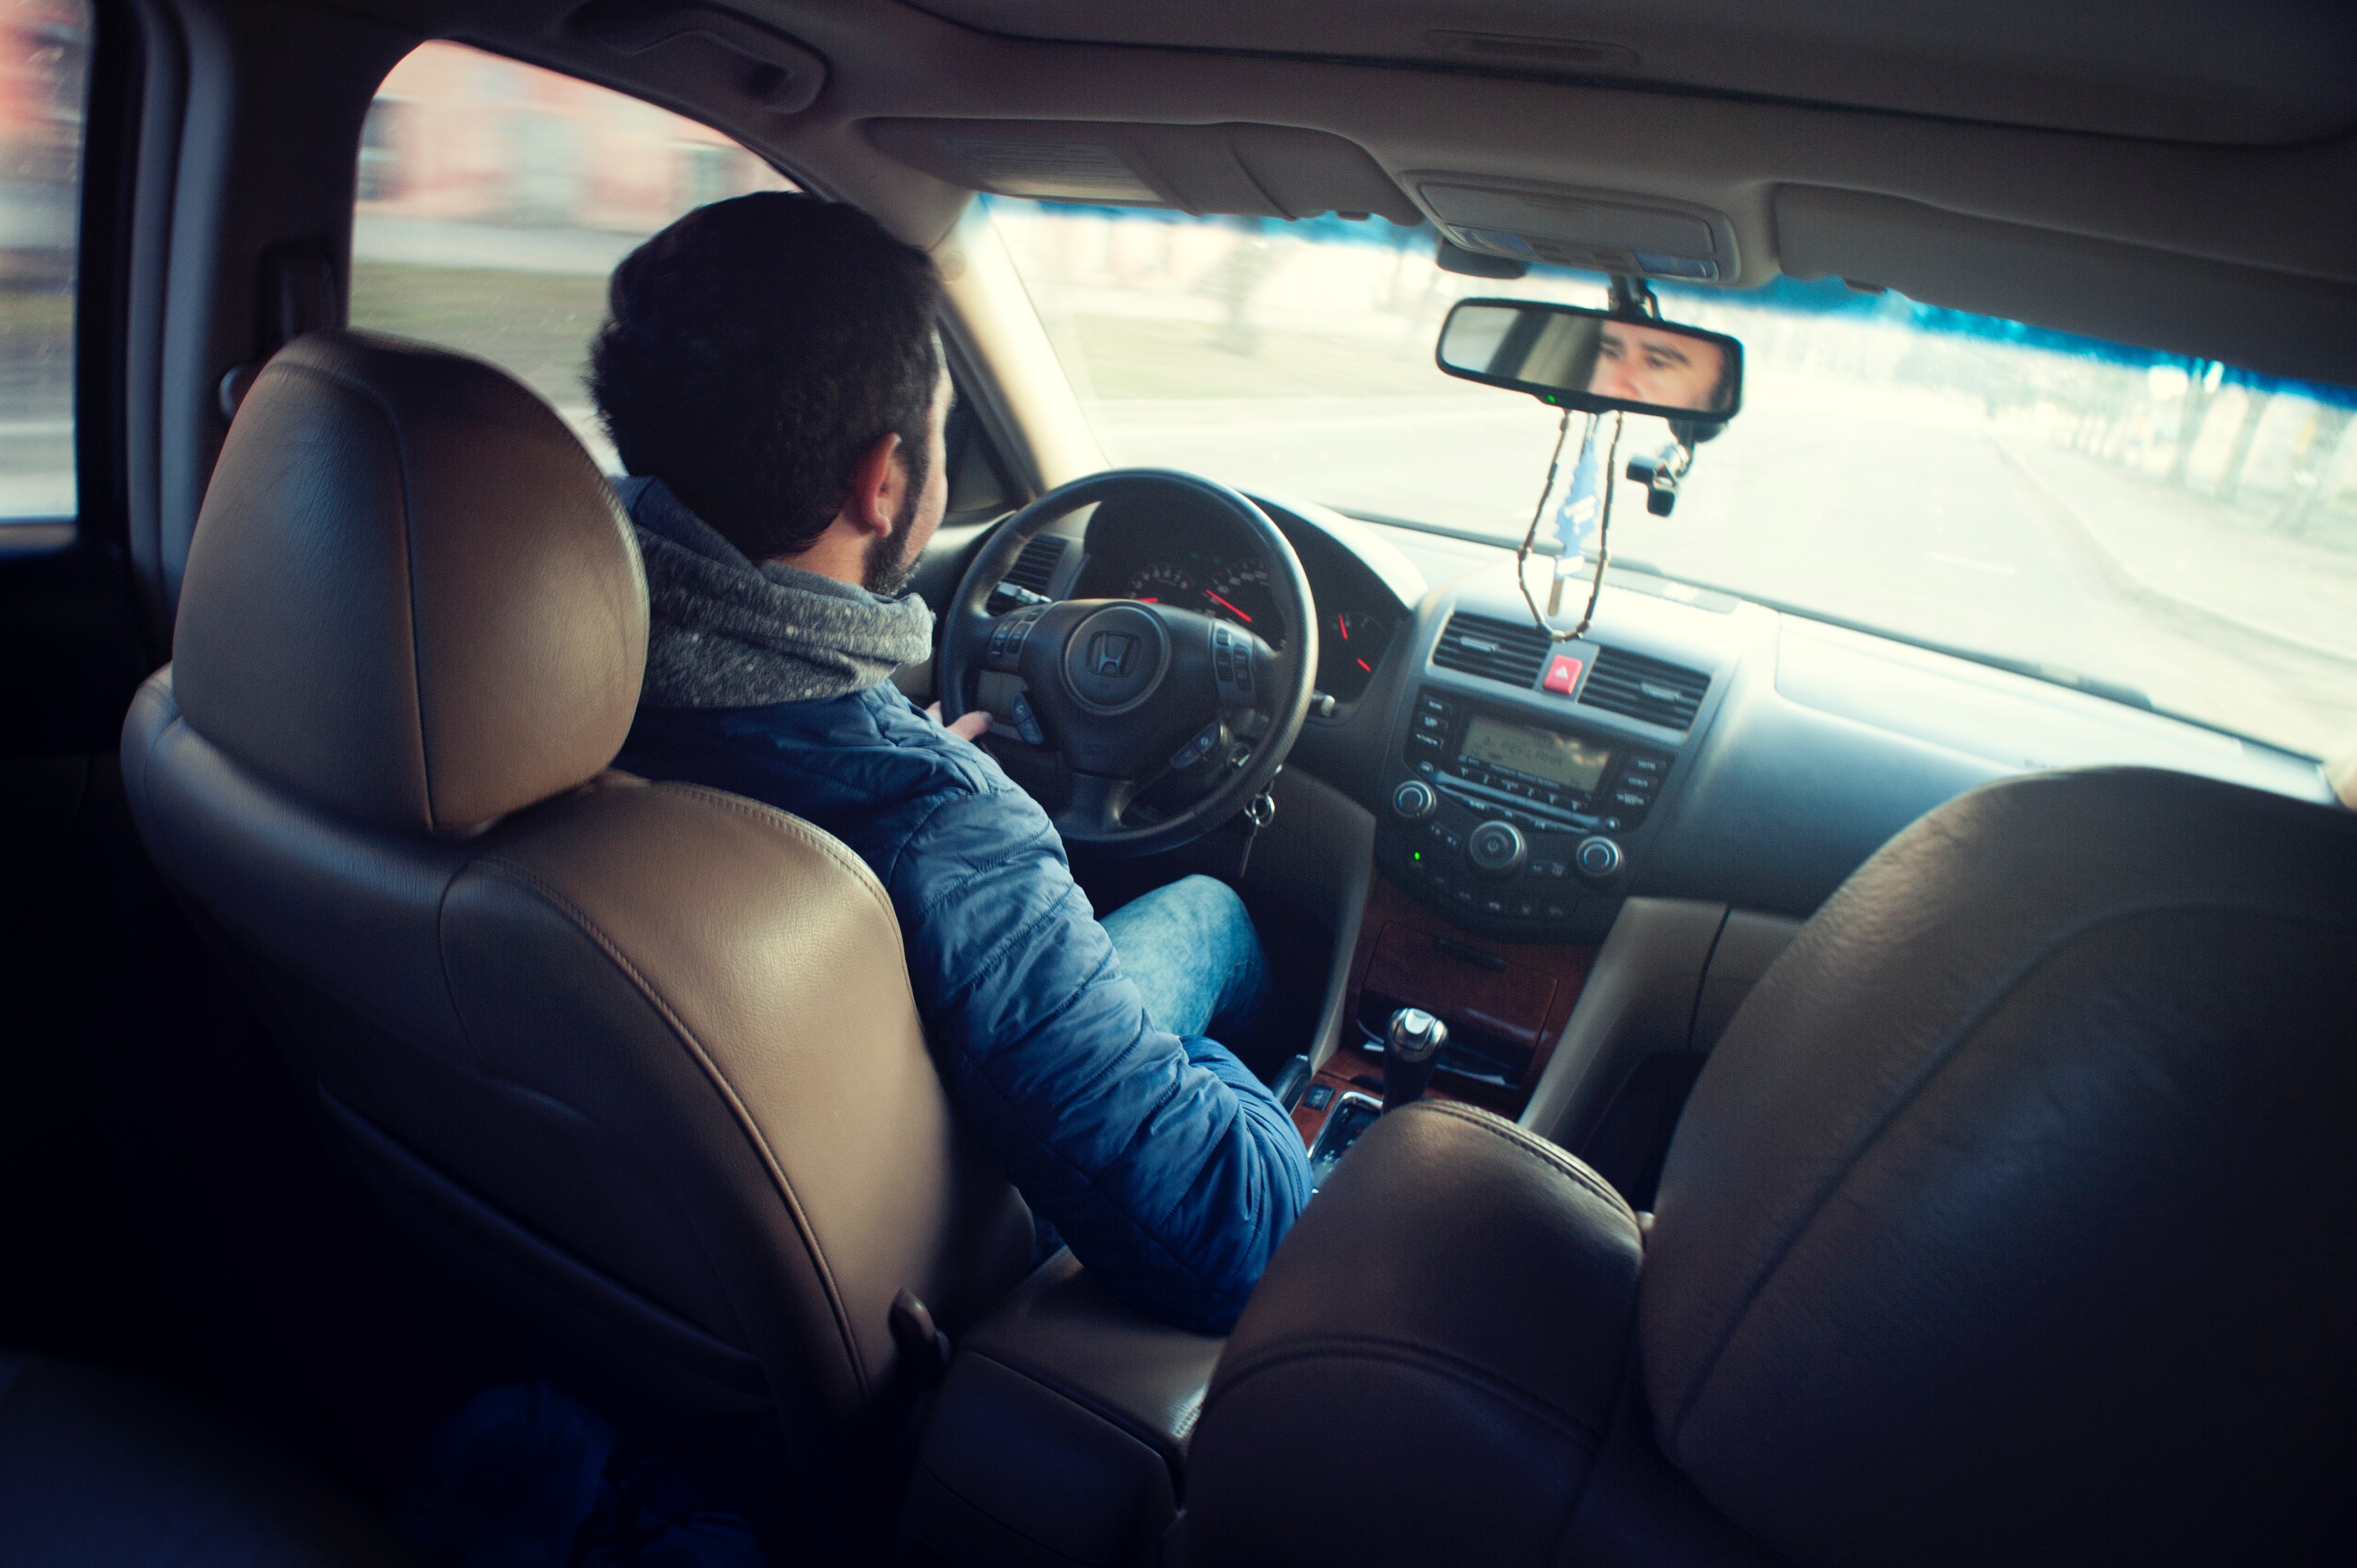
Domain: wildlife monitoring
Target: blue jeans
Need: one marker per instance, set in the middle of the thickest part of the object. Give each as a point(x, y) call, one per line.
point(1190, 950)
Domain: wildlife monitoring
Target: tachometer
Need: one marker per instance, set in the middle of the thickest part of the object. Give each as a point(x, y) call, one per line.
point(1164, 583)
point(1239, 591)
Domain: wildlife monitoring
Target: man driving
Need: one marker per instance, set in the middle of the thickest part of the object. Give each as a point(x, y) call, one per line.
point(771, 376)
point(1669, 369)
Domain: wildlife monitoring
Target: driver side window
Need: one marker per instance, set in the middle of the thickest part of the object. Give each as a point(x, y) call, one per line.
point(495, 197)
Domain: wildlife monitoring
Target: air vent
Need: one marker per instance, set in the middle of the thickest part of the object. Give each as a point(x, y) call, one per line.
point(1642, 688)
point(1504, 650)
point(1033, 570)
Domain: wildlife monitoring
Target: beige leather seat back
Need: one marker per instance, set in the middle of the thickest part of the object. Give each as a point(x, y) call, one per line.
point(2007, 1223)
point(639, 1061)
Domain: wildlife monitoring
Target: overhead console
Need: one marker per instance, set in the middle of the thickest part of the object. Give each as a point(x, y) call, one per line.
point(1602, 230)
point(1524, 778)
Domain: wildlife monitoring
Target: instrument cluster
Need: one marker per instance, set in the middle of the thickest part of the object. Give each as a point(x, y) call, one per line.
point(1153, 558)
point(1235, 586)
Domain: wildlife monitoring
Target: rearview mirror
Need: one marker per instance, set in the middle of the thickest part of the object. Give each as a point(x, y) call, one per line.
point(1593, 360)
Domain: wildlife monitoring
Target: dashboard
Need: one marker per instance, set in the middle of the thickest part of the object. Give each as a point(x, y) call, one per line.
point(1692, 746)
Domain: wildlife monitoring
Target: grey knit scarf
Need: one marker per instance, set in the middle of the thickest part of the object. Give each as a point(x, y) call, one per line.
point(723, 633)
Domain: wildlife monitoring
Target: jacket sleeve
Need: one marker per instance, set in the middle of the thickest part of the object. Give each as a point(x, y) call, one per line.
point(1164, 1163)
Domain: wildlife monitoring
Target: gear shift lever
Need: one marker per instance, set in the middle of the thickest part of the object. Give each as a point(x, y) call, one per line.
point(1411, 1049)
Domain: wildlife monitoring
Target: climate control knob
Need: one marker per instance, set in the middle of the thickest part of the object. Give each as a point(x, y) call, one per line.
point(1597, 858)
point(1413, 800)
point(1496, 848)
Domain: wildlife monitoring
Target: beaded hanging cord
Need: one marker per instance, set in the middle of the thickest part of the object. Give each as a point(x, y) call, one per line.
point(1603, 529)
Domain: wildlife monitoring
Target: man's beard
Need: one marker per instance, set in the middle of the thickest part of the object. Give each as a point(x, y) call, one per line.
point(887, 568)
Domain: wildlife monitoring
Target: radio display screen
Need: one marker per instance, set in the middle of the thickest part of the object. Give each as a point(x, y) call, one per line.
point(1565, 761)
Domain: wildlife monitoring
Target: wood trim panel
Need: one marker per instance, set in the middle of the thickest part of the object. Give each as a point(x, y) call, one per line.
point(1517, 992)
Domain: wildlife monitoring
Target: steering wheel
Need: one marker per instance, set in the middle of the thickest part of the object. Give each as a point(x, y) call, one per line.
point(1130, 693)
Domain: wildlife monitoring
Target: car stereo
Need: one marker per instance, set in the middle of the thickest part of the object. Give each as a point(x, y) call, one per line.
point(1515, 825)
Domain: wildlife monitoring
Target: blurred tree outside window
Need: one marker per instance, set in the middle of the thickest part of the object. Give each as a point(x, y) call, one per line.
point(495, 197)
point(44, 56)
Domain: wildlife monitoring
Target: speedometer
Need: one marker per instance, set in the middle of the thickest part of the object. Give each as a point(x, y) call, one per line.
point(1239, 591)
point(1164, 583)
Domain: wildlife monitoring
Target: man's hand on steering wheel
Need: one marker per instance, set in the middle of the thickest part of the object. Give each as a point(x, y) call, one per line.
point(971, 725)
point(1129, 691)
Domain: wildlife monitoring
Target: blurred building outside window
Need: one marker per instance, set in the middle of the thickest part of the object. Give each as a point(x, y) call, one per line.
point(44, 55)
point(495, 197)
point(380, 149)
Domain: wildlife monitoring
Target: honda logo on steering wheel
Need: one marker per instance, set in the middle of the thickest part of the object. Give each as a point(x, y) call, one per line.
point(1110, 653)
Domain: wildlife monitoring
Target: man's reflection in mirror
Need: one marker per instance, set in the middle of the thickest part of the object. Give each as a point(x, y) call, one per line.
point(1645, 364)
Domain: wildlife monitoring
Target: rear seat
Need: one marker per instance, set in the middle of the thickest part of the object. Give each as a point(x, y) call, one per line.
point(102, 1468)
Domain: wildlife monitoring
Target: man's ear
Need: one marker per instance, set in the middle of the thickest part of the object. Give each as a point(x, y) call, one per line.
point(876, 483)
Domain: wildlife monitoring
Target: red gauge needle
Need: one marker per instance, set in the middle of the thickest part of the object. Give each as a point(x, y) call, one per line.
point(1367, 667)
point(1227, 607)
point(1342, 625)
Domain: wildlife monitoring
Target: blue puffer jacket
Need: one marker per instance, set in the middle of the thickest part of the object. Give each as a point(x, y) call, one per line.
point(1163, 1162)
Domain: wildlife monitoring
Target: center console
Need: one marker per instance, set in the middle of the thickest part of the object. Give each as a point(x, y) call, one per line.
point(1515, 823)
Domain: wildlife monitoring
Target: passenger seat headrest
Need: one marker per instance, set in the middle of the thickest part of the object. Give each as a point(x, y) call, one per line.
point(411, 598)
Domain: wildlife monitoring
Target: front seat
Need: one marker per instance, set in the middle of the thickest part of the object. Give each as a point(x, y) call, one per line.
point(2010, 1222)
point(637, 1063)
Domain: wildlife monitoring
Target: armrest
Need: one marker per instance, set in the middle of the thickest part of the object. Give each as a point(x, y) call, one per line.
point(1061, 1432)
point(1433, 1359)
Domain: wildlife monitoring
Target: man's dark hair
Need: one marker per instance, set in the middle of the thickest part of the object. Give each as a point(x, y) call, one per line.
point(754, 349)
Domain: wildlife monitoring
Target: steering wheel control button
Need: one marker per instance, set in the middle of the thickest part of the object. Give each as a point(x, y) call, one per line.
point(1195, 750)
point(1598, 858)
point(1496, 848)
point(1413, 800)
point(1006, 637)
point(1026, 723)
point(1563, 674)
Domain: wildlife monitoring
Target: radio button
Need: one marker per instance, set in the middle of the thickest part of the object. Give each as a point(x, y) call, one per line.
point(1599, 858)
point(1497, 848)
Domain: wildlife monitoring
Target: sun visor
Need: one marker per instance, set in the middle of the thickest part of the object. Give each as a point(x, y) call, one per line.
point(692, 48)
point(2276, 323)
point(1604, 232)
point(1266, 171)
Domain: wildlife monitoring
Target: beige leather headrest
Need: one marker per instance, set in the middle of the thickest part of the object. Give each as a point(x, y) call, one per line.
point(411, 597)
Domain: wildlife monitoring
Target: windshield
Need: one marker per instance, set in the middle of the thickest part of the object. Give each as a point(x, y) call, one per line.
point(2162, 531)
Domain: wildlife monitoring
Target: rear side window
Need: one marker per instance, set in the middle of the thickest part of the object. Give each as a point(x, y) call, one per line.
point(494, 198)
point(44, 53)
